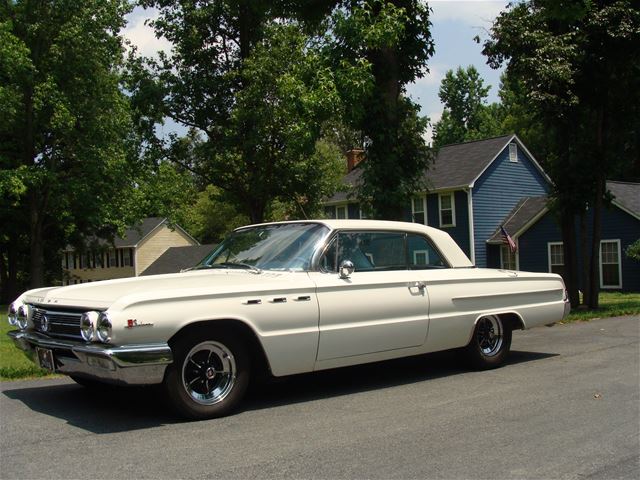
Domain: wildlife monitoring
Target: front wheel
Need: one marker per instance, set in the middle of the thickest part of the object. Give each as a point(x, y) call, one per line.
point(490, 343)
point(209, 375)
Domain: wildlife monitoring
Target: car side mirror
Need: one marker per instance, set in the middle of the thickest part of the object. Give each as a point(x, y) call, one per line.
point(346, 269)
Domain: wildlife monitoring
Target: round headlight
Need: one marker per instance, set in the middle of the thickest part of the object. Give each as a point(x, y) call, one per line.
point(23, 317)
point(103, 327)
point(12, 315)
point(88, 322)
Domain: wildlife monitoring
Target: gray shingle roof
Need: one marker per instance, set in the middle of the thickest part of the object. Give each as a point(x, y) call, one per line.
point(175, 259)
point(134, 234)
point(460, 164)
point(524, 211)
point(455, 166)
point(626, 194)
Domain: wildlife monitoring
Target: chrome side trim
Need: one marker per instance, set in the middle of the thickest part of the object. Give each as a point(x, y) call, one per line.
point(142, 364)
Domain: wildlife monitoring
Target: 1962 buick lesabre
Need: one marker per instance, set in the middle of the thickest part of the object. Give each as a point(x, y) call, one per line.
point(287, 298)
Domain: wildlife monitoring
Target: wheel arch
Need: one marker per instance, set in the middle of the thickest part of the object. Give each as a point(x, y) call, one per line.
point(258, 356)
point(510, 319)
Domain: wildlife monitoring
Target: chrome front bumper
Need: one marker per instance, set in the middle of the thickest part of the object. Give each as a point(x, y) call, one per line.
point(129, 365)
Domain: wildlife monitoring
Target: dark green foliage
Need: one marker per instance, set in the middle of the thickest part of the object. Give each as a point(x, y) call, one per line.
point(65, 143)
point(255, 88)
point(377, 47)
point(579, 62)
point(466, 115)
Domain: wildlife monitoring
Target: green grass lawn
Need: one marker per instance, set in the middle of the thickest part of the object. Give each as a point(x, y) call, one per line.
point(14, 364)
point(612, 304)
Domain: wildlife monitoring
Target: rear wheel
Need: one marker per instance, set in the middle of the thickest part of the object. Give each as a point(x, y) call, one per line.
point(209, 376)
point(490, 343)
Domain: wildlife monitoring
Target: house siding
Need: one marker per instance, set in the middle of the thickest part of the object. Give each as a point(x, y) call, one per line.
point(497, 191)
point(460, 233)
point(156, 244)
point(616, 225)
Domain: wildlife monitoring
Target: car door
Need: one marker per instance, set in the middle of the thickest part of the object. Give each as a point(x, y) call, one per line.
point(383, 305)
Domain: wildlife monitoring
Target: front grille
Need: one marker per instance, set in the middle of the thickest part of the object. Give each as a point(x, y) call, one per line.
point(61, 323)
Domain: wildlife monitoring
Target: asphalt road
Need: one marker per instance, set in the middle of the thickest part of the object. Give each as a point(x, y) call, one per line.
point(567, 405)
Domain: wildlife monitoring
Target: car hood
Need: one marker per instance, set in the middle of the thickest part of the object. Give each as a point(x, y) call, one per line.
point(103, 294)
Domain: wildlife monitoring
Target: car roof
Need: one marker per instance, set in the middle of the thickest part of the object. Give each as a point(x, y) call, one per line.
point(456, 257)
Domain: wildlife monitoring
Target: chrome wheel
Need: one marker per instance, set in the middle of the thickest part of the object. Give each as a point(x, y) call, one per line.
point(209, 373)
point(489, 335)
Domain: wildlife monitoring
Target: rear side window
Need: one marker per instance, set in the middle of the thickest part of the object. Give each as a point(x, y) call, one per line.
point(422, 254)
point(381, 251)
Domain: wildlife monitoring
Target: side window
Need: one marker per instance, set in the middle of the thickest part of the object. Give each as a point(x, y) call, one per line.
point(369, 251)
point(421, 254)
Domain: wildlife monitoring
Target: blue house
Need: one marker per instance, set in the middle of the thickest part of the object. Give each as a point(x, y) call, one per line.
point(539, 239)
point(475, 187)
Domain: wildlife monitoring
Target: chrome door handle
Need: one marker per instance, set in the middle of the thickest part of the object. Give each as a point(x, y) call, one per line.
point(419, 285)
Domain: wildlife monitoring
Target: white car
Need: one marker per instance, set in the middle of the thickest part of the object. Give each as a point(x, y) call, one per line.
point(288, 298)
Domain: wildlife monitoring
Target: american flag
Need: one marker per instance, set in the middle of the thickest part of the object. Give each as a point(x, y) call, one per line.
point(507, 240)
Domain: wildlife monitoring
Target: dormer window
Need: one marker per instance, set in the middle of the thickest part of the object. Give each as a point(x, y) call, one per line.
point(513, 153)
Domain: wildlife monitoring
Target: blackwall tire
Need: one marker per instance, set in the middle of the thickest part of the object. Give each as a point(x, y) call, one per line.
point(490, 343)
point(209, 375)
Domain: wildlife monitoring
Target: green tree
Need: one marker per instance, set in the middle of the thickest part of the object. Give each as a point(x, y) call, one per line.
point(65, 144)
point(377, 48)
point(579, 61)
point(466, 115)
point(245, 76)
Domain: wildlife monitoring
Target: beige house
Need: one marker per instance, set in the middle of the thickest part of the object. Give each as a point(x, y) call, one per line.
point(127, 256)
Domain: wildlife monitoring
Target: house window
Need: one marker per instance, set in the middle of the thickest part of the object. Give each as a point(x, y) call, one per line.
point(513, 153)
point(418, 210)
point(610, 271)
point(125, 257)
point(113, 258)
point(82, 261)
point(447, 210)
point(341, 212)
point(556, 257)
point(508, 259)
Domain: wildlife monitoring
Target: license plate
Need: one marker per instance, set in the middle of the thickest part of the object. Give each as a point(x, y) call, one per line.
point(45, 359)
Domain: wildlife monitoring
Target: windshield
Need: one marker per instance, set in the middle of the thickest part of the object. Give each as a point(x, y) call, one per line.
point(288, 246)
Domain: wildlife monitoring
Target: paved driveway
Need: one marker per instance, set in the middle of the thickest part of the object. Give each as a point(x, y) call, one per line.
point(566, 406)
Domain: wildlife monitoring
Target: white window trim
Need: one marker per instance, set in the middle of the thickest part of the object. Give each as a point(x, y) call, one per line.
point(517, 255)
point(612, 287)
point(417, 252)
point(549, 245)
point(513, 148)
point(453, 209)
point(424, 208)
point(346, 211)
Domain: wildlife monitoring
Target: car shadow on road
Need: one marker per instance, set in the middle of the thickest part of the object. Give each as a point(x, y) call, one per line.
point(119, 409)
point(367, 377)
point(103, 410)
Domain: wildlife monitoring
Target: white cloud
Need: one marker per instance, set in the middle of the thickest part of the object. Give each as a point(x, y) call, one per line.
point(434, 77)
point(475, 13)
point(142, 35)
point(434, 117)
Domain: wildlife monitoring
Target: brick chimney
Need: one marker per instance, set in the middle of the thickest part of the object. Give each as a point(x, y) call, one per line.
point(354, 157)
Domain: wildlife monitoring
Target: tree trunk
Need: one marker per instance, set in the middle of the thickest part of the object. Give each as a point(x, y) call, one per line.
point(567, 227)
point(584, 248)
point(594, 258)
point(36, 259)
point(9, 270)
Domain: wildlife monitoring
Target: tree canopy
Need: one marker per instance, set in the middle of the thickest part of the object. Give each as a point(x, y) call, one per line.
point(579, 62)
point(64, 133)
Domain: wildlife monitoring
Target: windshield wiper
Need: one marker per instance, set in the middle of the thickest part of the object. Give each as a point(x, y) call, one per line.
point(244, 266)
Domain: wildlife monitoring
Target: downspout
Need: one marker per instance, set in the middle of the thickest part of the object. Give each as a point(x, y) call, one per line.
point(472, 238)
